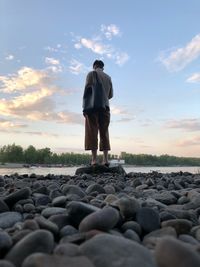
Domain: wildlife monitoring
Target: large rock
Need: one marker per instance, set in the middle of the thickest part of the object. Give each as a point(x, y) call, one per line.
point(100, 169)
point(171, 252)
point(106, 250)
point(37, 241)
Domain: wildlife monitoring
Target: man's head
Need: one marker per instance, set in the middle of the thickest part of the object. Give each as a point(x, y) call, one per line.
point(98, 64)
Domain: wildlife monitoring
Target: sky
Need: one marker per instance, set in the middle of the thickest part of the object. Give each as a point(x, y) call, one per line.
point(150, 48)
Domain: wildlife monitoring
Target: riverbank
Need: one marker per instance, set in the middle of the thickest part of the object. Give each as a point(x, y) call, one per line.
point(134, 219)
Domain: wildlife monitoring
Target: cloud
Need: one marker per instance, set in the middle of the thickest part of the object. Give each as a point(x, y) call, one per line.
point(54, 65)
point(25, 78)
point(52, 61)
point(194, 78)
point(96, 47)
point(195, 141)
point(118, 110)
point(9, 57)
point(99, 45)
point(110, 31)
point(185, 124)
point(33, 97)
point(181, 57)
point(77, 67)
point(125, 120)
point(4, 124)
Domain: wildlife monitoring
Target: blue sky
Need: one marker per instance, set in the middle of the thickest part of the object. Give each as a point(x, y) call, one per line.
point(150, 48)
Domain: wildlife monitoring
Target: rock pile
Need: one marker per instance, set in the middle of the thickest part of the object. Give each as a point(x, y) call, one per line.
point(100, 218)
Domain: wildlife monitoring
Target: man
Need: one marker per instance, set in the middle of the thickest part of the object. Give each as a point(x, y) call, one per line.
point(98, 120)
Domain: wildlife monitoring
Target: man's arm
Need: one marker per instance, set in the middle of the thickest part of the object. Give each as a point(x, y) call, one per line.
point(111, 90)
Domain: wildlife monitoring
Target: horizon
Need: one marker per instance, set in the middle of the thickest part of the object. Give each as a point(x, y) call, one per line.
point(150, 49)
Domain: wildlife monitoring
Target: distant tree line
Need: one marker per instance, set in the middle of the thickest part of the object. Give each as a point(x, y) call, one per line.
point(163, 160)
point(16, 154)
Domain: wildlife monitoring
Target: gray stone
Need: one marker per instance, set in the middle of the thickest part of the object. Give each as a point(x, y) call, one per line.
point(95, 188)
point(9, 218)
point(104, 220)
point(3, 206)
point(4, 263)
point(68, 230)
point(44, 260)
point(132, 235)
point(132, 225)
point(78, 211)
point(59, 201)
point(47, 224)
point(165, 198)
point(67, 249)
point(53, 211)
point(37, 241)
point(171, 252)
point(73, 189)
point(100, 169)
point(12, 198)
point(181, 226)
point(106, 250)
point(148, 219)
point(128, 206)
point(5, 243)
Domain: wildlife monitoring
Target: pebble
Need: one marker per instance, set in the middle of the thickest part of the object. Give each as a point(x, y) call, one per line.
point(9, 218)
point(37, 241)
point(105, 250)
point(171, 252)
point(104, 219)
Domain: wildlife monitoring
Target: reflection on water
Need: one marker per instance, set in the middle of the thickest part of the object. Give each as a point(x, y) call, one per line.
point(71, 170)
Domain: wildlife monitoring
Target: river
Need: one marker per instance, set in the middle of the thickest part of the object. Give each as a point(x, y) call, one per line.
point(71, 170)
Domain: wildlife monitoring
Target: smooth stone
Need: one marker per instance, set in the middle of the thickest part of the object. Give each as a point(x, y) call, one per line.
point(41, 200)
point(109, 189)
point(78, 211)
point(37, 241)
point(4, 263)
point(5, 243)
point(128, 206)
point(104, 220)
point(68, 230)
point(67, 249)
point(109, 199)
point(47, 212)
point(73, 189)
point(31, 225)
point(182, 226)
point(59, 201)
point(12, 198)
point(28, 207)
point(44, 260)
point(95, 188)
point(189, 239)
point(9, 218)
point(106, 250)
point(47, 224)
point(171, 252)
point(132, 225)
point(16, 237)
point(150, 240)
point(165, 198)
point(60, 220)
point(3, 206)
point(148, 219)
point(132, 235)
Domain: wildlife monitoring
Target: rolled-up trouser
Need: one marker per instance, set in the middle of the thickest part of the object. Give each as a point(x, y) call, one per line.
point(97, 122)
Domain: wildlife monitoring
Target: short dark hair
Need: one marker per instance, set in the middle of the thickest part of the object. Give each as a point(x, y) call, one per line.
point(98, 64)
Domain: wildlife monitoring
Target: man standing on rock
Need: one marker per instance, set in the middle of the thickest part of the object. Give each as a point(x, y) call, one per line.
point(96, 110)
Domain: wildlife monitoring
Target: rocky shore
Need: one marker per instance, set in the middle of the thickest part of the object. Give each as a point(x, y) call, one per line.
point(100, 217)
